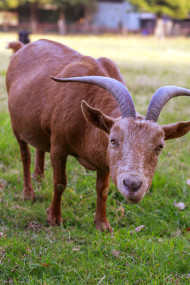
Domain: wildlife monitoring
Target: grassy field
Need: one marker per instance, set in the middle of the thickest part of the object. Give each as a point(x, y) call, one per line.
point(31, 252)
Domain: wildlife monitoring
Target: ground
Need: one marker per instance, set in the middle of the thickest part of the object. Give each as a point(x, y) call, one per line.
point(31, 252)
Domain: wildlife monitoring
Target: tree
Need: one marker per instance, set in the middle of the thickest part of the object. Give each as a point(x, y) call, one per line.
point(10, 4)
point(33, 11)
point(62, 5)
point(173, 8)
point(13, 4)
point(5, 5)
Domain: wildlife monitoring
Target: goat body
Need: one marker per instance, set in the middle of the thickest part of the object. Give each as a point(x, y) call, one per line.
point(48, 116)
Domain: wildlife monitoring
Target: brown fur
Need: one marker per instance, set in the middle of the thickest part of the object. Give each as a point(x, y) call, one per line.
point(48, 116)
point(15, 46)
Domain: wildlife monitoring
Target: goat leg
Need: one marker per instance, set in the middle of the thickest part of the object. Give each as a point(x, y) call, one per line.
point(39, 164)
point(28, 192)
point(60, 181)
point(102, 188)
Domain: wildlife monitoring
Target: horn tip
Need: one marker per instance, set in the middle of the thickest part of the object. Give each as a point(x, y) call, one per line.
point(53, 78)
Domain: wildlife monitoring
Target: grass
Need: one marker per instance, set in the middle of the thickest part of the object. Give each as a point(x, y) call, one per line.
point(31, 252)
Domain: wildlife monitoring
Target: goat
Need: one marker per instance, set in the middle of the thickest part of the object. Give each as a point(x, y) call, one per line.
point(104, 132)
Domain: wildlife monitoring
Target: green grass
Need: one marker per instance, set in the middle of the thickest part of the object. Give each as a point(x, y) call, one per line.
point(31, 252)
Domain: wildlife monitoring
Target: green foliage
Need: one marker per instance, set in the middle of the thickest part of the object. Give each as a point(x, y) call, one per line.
point(31, 252)
point(8, 4)
point(12, 4)
point(174, 8)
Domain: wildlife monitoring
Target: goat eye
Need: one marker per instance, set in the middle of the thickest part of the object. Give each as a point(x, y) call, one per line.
point(114, 142)
point(159, 149)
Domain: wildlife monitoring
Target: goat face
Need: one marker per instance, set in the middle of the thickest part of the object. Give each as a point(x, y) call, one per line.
point(132, 155)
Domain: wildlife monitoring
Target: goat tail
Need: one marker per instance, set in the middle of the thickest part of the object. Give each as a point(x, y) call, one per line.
point(15, 46)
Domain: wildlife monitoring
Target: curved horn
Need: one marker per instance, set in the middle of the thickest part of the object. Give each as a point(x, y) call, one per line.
point(113, 86)
point(161, 97)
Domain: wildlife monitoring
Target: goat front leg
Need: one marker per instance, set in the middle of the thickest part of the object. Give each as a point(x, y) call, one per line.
point(58, 161)
point(39, 164)
point(102, 188)
point(28, 192)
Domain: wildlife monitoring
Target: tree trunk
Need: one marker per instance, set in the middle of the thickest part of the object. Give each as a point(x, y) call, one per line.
point(87, 18)
point(160, 29)
point(61, 23)
point(5, 22)
point(33, 17)
point(90, 9)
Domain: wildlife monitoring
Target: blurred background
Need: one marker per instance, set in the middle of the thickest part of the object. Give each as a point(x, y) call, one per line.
point(164, 18)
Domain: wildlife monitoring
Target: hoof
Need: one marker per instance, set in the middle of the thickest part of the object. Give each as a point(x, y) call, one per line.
point(28, 194)
point(52, 218)
point(103, 226)
point(38, 176)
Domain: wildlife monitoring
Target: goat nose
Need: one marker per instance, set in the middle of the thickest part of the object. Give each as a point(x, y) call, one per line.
point(133, 185)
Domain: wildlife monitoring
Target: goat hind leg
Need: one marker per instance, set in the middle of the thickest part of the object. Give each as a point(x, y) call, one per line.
point(102, 188)
point(39, 164)
point(28, 192)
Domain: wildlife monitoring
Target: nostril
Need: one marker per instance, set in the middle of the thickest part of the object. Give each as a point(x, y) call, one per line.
point(137, 186)
point(132, 185)
point(127, 182)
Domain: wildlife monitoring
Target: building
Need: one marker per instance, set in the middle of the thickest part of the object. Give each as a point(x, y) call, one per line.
point(117, 15)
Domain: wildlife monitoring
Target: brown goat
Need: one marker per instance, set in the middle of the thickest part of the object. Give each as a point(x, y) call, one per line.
point(107, 135)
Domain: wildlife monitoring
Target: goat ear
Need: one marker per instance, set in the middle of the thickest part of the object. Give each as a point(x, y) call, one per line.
point(96, 117)
point(176, 130)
